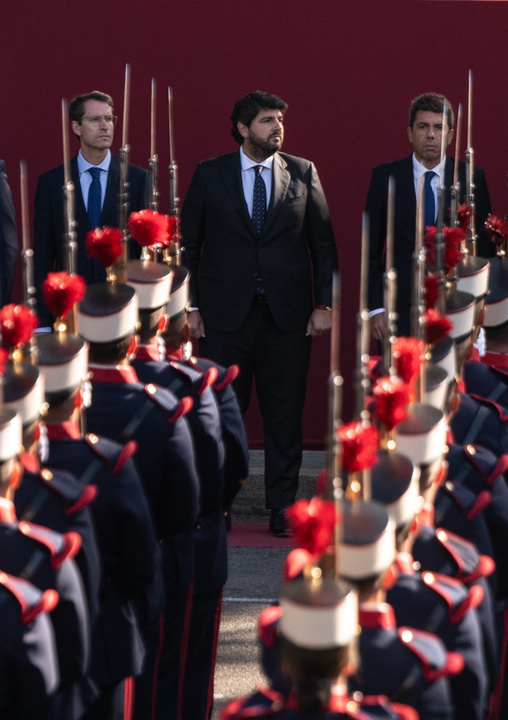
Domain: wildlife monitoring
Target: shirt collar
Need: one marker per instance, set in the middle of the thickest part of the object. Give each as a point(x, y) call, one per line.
point(84, 165)
point(419, 169)
point(248, 164)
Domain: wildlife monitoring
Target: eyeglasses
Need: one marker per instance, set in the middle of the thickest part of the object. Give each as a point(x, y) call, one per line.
point(97, 119)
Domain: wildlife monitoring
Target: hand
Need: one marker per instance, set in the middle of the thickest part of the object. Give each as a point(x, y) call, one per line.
point(379, 326)
point(319, 322)
point(196, 325)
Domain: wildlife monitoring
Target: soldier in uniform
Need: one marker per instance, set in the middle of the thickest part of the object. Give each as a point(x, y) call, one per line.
point(124, 409)
point(125, 536)
point(27, 650)
point(191, 692)
point(174, 340)
point(45, 558)
point(317, 627)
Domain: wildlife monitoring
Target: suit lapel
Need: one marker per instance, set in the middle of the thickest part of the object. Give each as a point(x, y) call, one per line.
point(109, 209)
point(280, 183)
point(79, 205)
point(232, 178)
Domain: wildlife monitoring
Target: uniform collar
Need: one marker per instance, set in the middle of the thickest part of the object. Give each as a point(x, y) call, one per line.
point(147, 352)
point(124, 374)
point(68, 430)
point(377, 616)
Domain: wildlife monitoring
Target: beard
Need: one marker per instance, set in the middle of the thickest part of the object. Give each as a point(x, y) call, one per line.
point(261, 148)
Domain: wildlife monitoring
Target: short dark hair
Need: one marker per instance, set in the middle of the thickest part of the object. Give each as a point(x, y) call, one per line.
point(248, 107)
point(497, 333)
point(77, 104)
point(110, 352)
point(149, 324)
point(431, 102)
point(312, 671)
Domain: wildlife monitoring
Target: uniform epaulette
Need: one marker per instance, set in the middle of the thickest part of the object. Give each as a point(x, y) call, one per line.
point(263, 703)
point(63, 484)
point(225, 376)
point(200, 381)
point(479, 457)
point(469, 504)
point(60, 545)
point(113, 454)
point(31, 600)
point(172, 408)
point(464, 554)
point(431, 652)
point(457, 597)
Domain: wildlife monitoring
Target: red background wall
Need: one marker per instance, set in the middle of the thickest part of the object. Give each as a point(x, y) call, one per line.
point(348, 71)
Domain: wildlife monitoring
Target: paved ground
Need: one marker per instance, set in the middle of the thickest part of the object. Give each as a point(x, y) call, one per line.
point(254, 578)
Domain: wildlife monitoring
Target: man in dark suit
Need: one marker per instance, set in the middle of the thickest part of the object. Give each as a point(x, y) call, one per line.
point(260, 249)
point(8, 238)
point(93, 120)
point(424, 132)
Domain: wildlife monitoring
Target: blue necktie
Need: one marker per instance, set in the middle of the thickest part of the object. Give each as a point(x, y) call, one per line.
point(259, 200)
point(94, 198)
point(430, 202)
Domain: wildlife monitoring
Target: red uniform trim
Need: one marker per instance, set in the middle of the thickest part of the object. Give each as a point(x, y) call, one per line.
point(495, 360)
point(88, 495)
point(124, 374)
point(376, 615)
point(231, 374)
point(63, 431)
point(129, 688)
point(147, 352)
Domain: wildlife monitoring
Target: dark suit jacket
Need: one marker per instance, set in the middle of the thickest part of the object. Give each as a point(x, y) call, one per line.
point(295, 254)
point(404, 230)
point(8, 238)
point(49, 226)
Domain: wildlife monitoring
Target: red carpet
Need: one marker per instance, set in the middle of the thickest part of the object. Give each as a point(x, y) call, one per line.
point(255, 536)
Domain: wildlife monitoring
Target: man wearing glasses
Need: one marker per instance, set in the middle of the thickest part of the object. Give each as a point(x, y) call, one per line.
point(95, 173)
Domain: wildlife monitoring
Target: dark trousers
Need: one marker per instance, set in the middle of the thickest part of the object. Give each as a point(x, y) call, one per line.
point(278, 363)
point(197, 696)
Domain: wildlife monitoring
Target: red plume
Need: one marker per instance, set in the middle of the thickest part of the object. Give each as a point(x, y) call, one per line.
point(453, 241)
point(432, 287)
point(391, 396)
point(464, 215)
point(359, 445)
point(104, 244)
point(60, 291)
point(407, 354)
point(149, 228)
point(313, 524)
point(497, 229)
point(436, 326)
point(18, 324)
point(4, 355)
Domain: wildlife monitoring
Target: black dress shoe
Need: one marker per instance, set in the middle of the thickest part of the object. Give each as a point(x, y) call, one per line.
point(227, 519)
point(279, 523)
